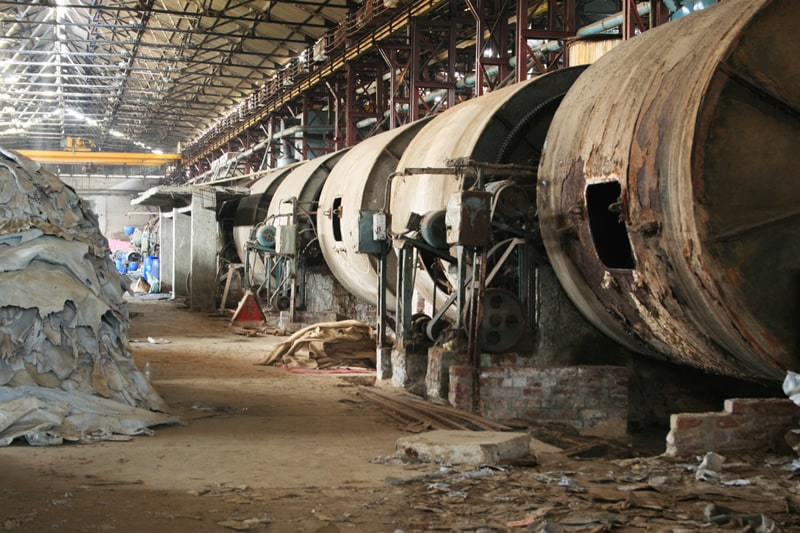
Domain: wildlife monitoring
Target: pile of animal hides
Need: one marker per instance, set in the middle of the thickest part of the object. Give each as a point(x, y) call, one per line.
point(66, 371)
point(342, 344)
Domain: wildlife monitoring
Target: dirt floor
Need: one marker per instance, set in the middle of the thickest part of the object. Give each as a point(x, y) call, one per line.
point(265, 449)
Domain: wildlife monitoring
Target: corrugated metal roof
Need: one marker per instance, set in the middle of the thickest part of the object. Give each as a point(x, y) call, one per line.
point(135, 75)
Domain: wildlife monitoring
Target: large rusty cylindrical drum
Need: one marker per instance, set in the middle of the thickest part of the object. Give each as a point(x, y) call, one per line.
point(253, 209)
point(359, 183)
point(505, 126)
point(668, 193)
point(296, 199)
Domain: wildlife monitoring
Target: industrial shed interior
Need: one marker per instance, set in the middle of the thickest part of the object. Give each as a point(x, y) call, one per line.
point(400, 265)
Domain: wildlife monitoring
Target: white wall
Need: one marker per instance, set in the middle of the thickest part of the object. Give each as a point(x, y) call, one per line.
point(110, 199)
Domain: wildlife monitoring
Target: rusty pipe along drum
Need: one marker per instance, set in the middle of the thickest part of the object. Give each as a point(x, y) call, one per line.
point(358, 182)
point(505, 126)
point(668, 194)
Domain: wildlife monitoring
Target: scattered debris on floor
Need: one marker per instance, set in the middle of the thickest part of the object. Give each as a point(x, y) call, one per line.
point(236, 494)
point(151, 340)
point(246, 524)
point(226, 489)
point(63, 319)
point(590, 485)
point(328, 371)
point(343, 344)
point(563, 494)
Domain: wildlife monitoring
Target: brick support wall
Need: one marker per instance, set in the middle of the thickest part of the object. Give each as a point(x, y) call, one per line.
point(744, 424)
point(460, 393)
point(327, 300)
point(440, 363)
point(593, 399)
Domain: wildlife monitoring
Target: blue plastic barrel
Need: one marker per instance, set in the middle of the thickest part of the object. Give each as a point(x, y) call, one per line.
point(155, 268)
point(151, 268)
point(121, 268)
point(132, 266)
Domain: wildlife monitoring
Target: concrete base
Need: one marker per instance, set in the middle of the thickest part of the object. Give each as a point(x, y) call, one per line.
point(464, 447)
point(384, 362)
point(409, 364)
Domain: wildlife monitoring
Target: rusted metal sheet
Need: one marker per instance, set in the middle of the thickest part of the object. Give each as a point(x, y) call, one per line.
point(668, 193)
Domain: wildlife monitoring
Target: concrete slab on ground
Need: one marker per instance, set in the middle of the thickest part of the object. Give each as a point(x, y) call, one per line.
point(464, 447)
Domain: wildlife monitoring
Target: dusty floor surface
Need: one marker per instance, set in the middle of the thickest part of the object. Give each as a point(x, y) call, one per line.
point(264, 449)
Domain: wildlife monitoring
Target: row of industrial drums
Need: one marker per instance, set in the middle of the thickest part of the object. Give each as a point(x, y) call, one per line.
point(666, 193)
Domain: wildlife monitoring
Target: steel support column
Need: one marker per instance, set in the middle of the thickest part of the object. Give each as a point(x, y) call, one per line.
point(365, 97)
point(305, 118)
point(337, 104)
point(492, 45)
point(313, 113)
point(398, 60)
point(631, 20)
point(659, 14)
point(429, 41)
point(561, 24)
point(273, 145)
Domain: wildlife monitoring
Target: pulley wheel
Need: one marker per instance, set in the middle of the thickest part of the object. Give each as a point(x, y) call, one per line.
point(503, 321)
point(283, 303)
point(433, 230)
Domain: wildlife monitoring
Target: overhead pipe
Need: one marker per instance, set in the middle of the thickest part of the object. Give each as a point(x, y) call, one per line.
point(609, 23)
point(293, 130)
point(690, 6)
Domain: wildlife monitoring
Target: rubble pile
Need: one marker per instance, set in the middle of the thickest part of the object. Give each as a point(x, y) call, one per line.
point(63, 319)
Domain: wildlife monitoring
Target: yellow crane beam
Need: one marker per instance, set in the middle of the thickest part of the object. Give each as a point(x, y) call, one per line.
point(53, 157)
